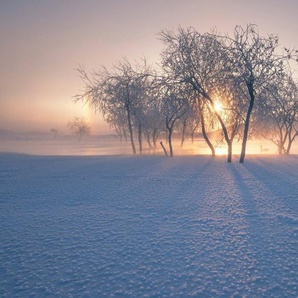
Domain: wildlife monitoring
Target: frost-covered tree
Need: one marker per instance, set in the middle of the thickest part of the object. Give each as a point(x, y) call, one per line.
point(213, 64)
point(117, 121)
point(120, 91)
point(229, 103)
point(279, 113)
point(193, 122)
point(199, 61)
point(174, 106)
point(54, 132)
point(224, 80)
point(252, 62)
point(79, 127)
point(153, 120)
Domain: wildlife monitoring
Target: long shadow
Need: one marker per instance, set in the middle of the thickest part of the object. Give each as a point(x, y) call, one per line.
point(282, 181)
point(252, 214)
point(279, 181)
point(185, 182)
point(259, 238)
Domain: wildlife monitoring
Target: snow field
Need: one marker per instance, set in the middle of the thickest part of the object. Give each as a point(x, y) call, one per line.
point(122, 226)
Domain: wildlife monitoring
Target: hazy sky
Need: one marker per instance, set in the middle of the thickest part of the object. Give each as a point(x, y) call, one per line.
point(43, 41)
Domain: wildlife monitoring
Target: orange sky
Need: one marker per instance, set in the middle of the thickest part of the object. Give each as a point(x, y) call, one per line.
point(42, 42)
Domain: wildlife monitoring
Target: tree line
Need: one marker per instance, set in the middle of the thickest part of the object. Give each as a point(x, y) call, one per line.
point(241, 84)
point(78, 126)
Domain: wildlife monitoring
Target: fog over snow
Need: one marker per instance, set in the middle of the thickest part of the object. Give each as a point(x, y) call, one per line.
point(151, 226)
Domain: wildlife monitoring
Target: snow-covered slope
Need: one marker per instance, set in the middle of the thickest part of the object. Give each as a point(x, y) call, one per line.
point(148, 226)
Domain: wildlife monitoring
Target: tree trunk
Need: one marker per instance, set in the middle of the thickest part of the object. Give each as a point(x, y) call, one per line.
point(130, 130)
point(164, 149)
point(192, 135)
point(247, 122)
point(154, 137)
point(226, 135)
point(125, 135)
point(205, 133)
point(289, 147)
point(118, 131)
point(280, 142)
point(229, 152)
point(170, 140)
point(169, 131)
point(140, 138)
point(147, 136)
point(223, 127)
point(291, 140)
point(183, 132)
point(280, 148)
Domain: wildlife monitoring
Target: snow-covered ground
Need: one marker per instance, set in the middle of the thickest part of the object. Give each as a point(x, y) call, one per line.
point(123, 226)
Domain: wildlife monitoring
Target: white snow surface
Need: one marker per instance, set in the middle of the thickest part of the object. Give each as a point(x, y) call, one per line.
point(151, 226)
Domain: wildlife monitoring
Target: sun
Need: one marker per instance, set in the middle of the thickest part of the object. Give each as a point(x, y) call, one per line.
point(218, 106)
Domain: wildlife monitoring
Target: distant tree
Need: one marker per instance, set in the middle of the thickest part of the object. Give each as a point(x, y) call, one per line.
point(279, 113)
point(54, 132)
point(188, 124)
point(193, 122)
point(79, 127)
point(154, 120)
point(175, 106)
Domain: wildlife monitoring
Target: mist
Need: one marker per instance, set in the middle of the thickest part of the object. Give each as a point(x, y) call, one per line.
point(65, 144)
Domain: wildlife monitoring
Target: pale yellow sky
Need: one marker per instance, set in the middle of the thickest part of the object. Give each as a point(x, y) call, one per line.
point(42, 42)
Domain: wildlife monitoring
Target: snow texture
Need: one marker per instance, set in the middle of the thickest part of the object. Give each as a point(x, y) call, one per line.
point(123, 226)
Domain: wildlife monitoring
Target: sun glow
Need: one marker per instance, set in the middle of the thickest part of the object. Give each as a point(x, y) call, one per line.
point(222, 150)
point(218, 106)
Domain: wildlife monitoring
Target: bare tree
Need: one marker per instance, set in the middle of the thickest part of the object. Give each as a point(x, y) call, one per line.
point(151, 116)
point(175, 106)
point(212, 62)
point(118, 91)
point(54, 132)
point(198, 61)
point(118, 122)
point(203, 112)
point(279, 113)
point(193, 122)
point(199, 72)
point(229, 103)
point(79, 127)
point(252, 63)
point(153, 122)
